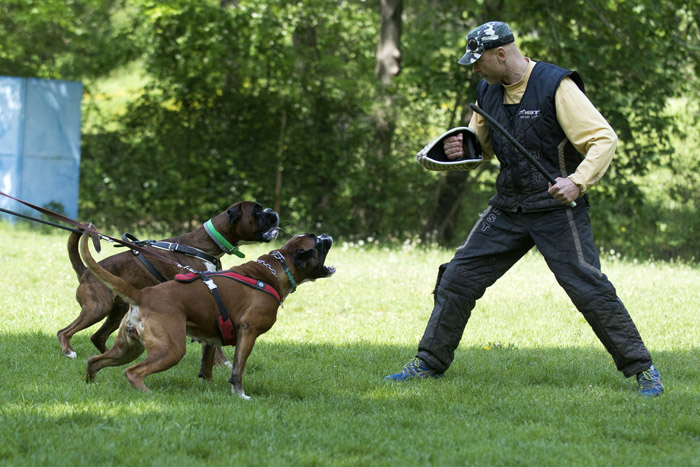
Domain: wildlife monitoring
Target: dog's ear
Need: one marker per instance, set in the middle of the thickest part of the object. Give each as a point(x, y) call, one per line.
point(234, 213)
point(302, 257)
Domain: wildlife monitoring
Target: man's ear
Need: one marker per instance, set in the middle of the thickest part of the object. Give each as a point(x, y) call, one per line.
point(501, 53)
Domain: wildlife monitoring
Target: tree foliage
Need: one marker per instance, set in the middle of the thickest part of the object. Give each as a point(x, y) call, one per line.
point(64, 39)
point(278, 101)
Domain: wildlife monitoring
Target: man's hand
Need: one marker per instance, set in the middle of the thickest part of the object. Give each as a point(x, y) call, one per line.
point(564, 190)
point(453, 146)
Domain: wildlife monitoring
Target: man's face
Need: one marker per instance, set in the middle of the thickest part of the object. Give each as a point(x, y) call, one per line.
point(489, 66)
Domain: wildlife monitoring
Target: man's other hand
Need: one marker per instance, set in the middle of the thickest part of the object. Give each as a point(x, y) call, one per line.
point(564, 190)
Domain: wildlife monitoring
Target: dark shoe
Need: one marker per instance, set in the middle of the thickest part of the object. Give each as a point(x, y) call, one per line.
point(649, 382)
point(416, 368)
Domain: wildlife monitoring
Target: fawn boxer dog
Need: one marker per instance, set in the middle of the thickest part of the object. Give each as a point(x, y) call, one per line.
point(242, 221)
point(231, 307)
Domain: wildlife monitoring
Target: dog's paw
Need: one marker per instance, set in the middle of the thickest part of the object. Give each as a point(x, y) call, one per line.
point(241, 394)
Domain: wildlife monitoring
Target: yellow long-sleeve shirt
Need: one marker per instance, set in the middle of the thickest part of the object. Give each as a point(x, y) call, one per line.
point(582, 123)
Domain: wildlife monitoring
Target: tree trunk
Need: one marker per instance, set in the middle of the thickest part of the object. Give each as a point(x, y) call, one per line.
point(454, 187)
point(389, 48)
point(388, 65)
point(280, 162)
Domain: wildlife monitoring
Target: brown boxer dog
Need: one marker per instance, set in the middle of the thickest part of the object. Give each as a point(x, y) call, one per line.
point(242, 221)
point(161, 317)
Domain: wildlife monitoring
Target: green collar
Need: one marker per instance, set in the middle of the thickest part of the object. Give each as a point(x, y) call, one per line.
point(219, 239)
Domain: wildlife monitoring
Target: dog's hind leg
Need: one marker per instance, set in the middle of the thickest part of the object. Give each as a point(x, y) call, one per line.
point(165, 345)
point(111, 324)
point(95, 301)
point(127, 347)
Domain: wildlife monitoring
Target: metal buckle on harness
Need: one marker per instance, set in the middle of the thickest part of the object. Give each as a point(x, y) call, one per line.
point(210, 283)
point(167, 246)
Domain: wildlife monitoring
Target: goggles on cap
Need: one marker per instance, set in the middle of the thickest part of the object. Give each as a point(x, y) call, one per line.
point(475, 46)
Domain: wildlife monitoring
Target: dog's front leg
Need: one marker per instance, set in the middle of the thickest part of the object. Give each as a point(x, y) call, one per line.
point(207, 362)
point(244, 345)
point(220, 358)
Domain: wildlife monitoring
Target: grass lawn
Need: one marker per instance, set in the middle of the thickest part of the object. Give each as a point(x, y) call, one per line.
point(530, 385)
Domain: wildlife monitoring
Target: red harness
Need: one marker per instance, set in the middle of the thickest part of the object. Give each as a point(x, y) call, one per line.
point(225, 324)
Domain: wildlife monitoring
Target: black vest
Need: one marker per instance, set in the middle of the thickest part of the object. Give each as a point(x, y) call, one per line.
point(533, 123)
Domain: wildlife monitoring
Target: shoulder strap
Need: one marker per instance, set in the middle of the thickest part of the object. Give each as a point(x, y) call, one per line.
point(127, 237)
point(189, 251)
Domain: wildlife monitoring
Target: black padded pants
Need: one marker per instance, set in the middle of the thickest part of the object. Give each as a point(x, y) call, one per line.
point(497, 241)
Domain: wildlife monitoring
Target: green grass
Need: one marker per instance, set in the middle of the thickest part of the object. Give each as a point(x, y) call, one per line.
point(530, 385)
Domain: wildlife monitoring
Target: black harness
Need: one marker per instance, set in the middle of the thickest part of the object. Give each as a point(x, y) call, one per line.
point(168, 246)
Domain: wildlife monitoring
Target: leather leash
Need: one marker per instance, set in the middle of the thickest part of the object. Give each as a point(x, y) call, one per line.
point(96, 236)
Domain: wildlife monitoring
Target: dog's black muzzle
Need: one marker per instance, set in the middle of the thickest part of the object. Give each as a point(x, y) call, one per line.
point(270, 222)
point(323, 245)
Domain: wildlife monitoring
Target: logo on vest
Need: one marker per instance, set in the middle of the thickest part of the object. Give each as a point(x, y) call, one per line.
point(528, 114)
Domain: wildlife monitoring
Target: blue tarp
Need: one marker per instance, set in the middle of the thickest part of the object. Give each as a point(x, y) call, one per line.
point(40, 143)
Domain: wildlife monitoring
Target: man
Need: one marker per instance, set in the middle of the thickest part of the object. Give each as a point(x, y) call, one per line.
point(543, 106)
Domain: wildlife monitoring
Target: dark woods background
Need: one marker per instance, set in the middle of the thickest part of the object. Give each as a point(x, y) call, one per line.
point(317, 108)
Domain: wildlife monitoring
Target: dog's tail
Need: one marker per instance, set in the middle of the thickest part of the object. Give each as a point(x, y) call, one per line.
point(127, 291)
point(74, 254)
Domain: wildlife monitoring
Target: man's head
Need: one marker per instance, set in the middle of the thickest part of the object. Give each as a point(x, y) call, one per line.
point(487, 36)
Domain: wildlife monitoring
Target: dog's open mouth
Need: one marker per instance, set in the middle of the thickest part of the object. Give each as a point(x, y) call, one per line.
point(271, 234)
point(324, 245)
point(272, 222)
point(328, 271)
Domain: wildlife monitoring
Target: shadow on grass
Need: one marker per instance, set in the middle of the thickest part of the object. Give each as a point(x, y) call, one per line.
point(326, 404)
point(297, 371)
